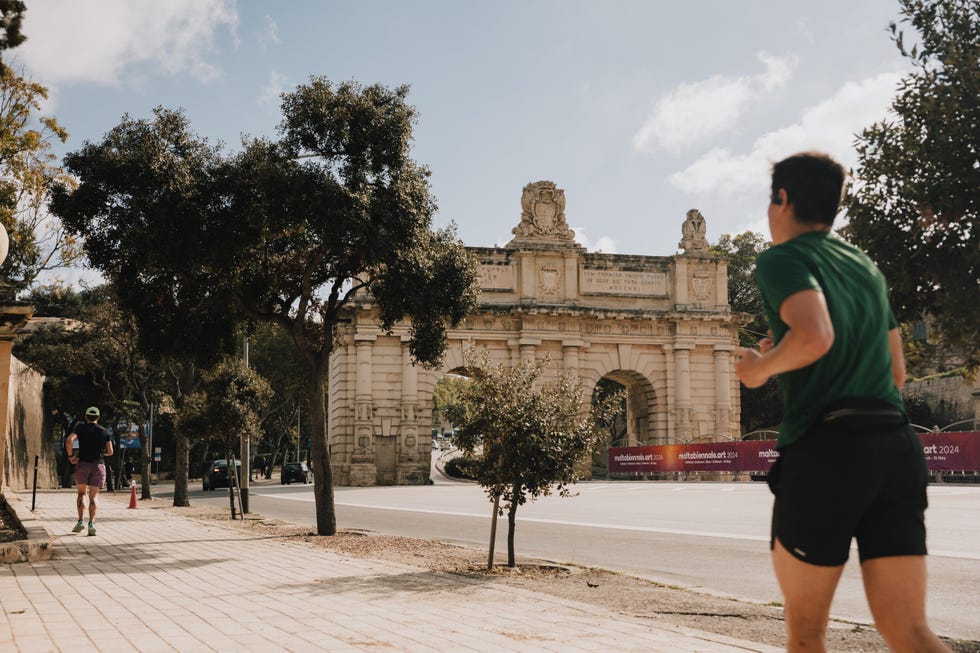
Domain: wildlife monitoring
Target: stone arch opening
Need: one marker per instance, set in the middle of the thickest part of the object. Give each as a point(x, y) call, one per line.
point(444, 391)
point(634, 424)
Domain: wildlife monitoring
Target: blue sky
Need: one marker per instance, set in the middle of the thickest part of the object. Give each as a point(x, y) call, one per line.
point(640, 110)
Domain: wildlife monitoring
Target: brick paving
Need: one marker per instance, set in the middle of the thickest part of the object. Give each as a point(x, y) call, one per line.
point(153, 581)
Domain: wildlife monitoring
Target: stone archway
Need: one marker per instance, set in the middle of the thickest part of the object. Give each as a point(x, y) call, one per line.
point(661, 326)
point(636, 425)
point(640, 407)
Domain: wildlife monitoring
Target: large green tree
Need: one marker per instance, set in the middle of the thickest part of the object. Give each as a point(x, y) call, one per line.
point(146, 209)
point(530, 429)
point(916, 194)
point(288, 232)
point(336, 210)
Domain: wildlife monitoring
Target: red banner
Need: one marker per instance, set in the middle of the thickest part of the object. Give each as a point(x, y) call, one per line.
point(944, 452)
point(752, 456)
point(952, 451)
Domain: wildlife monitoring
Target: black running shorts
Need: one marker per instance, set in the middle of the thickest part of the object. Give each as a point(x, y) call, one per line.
point(837, 482)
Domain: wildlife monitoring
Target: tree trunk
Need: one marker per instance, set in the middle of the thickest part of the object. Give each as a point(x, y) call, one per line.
point(326, 517)
point(493, 529)
point(144, 463)
point(181, 468)
point(511, 524)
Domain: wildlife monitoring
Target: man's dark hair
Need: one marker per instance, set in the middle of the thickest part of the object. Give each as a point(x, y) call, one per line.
point(814, 185)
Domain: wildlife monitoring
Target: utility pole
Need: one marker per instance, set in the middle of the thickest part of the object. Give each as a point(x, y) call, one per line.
point(246, 456)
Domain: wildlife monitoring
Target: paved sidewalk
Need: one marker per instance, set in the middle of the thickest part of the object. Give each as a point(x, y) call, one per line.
point(153, 581)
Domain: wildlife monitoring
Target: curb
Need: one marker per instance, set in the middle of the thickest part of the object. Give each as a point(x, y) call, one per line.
point(39, 544)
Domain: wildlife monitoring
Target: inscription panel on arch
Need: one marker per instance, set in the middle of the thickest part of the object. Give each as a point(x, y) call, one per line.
point(622, 282)
point(496, 277)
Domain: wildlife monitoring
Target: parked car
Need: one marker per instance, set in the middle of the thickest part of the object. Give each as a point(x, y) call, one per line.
point(299, 472)
point(216, 474)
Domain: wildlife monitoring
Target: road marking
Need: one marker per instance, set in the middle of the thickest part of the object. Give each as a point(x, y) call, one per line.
point(559, 522)
point(562, 522)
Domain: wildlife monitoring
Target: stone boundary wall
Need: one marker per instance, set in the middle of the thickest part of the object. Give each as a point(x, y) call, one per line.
point(25, 433)
point(950, 398)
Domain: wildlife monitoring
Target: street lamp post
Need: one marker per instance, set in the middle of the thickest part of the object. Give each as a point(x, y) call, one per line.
point(246, 455)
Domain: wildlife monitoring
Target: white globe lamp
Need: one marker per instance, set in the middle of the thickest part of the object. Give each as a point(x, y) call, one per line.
point(4, 244)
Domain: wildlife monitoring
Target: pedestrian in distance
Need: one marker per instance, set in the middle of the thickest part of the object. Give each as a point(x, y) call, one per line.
point(850, 464)
point(94, 444)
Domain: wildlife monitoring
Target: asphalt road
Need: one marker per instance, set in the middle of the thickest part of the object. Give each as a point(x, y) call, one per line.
point(710, 536)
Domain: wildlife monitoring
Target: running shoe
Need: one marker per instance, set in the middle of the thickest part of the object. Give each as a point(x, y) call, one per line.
point(78, 527)
point(91, 529)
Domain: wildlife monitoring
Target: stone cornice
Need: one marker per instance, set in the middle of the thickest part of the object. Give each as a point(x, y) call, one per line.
point(13, 317)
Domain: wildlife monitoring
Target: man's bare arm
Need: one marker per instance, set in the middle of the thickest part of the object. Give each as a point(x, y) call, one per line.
point(810, 336)
point(898, 357)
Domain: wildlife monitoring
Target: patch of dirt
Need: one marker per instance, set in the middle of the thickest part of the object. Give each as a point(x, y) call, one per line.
point(621, 593)
point(10, 531)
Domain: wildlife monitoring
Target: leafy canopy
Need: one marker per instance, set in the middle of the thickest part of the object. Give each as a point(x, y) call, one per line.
point(916, 193)
point(145, 207)
point(336, 207)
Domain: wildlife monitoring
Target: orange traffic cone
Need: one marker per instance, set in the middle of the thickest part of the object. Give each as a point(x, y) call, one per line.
point(132, 496)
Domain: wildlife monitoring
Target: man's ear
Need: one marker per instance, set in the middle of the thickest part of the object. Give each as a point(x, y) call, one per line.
point(779, 197)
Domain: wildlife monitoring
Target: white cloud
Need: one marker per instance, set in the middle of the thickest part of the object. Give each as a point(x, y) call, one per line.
point(269, 33)
point(70, 41)
point(269, 94)
point(693, 113)
point(829, 126)
point(604, 244)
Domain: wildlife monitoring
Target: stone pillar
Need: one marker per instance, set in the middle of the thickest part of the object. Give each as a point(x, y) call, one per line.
point(528, 347)
point(680, 281)
point(363, 468)
point(668, 423)
point(682, 359)
point(723, 389)
point(414, 449)
point(514, 350)
point(569, 352)
point(721, 281)
point(571, 275)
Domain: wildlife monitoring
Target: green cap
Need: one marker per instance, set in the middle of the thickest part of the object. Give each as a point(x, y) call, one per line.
point(92, 411)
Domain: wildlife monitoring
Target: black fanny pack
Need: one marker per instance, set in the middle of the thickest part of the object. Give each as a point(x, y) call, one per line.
point(861, 413)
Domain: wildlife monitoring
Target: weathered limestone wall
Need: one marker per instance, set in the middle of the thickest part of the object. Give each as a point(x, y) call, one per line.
point(26, 426)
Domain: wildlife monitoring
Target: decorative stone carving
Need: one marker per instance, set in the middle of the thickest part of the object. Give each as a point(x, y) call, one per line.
point(408, 412)
point(693, 232)
point(701, 286)
point(363, 410)
point(549, 280)
point(542, 216)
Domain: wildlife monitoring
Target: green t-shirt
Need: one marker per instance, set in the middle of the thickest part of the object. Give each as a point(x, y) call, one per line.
point(859, 362)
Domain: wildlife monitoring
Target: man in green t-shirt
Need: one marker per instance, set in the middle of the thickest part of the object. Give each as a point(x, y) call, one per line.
point(850, 466)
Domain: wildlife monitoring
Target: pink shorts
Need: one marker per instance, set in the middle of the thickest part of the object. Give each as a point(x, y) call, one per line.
point(91, 474)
